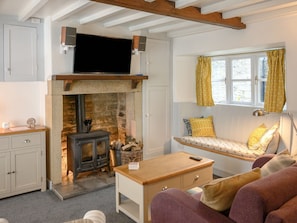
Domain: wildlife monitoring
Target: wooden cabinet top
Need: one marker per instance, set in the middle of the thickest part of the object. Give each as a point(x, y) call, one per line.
point(21, 129)
point(163, 167)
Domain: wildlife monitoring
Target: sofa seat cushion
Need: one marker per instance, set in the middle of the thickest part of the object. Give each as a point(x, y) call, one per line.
point(224, 145)
point(287, 213)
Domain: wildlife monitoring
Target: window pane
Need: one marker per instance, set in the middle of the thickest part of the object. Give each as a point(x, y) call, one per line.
point(262, 77)
point(219, 91)
point(218, 69)
point(261, 90)
point(241, 68)
point(242, 92)
point(262, 67)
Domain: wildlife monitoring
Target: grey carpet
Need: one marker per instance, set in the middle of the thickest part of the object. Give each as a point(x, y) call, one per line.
point(46, 207)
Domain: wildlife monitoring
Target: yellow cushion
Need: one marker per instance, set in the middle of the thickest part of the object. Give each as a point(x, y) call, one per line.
point(202, 127)
point(219, 194)
point(256, 135)
point(268, 136)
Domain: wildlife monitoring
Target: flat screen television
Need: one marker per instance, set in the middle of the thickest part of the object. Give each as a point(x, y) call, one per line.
point(99, 54)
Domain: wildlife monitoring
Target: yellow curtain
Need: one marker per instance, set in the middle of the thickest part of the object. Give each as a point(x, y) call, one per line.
point(203, 82)
point(275, 96)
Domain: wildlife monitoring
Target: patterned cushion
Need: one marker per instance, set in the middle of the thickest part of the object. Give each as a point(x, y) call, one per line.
point(188, 126)
point(266, 138)
point(256, 135)
point(223, 145)
point(278, 162)
point(202, 127)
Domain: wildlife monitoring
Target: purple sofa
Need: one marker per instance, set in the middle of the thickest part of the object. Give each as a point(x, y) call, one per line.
point(270, 199)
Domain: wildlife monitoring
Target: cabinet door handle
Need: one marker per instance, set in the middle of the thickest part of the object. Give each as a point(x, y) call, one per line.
point(27, 141)
point(164, 188)
point(196, 177)
point(11, 172)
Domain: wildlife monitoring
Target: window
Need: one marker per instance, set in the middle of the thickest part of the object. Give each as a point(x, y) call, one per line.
point(239, 79)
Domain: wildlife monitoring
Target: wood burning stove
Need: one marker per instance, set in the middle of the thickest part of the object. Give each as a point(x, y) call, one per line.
point(87, 151)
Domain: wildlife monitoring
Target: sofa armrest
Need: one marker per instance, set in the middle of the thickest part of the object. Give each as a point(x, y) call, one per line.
point(176, 206)
point(260, 161)
point(286, 213)
point(255, 200)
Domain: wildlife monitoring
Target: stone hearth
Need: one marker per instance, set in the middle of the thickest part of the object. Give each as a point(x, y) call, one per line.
point(58, 88)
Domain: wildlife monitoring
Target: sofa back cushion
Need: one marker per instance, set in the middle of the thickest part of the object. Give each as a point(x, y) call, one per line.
point(219, 193)
point(255, 200)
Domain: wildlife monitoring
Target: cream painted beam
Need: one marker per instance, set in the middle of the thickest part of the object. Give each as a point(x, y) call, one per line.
point(31, 8)
point(193, 30)
point(288, 11)
point(126, 18)
point(71, 9)
point(150, 23)
point(257, 8)
point(101, 14)
point(179, 4)
point(227, 5)
point(169, 27)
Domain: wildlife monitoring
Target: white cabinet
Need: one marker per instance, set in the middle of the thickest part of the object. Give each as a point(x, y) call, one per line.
point(20, 53)
point(22, 161)
point(156, 104)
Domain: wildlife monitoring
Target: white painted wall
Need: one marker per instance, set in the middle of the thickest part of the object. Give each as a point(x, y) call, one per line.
point(277, 32)
point(233, 122)
point(22, 100)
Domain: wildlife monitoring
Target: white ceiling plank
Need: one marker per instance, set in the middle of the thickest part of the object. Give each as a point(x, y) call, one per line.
point(254, 9)
point(101, 14)
point(31, 8)
point(227, 4)
point(126, 18)
point(71, 9)
point(173, 26)
point(151, 23)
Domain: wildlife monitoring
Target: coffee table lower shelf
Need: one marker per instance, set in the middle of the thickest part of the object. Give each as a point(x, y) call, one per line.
point(130, 208)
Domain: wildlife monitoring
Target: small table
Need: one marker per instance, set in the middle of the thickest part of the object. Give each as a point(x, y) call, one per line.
point(136, 188)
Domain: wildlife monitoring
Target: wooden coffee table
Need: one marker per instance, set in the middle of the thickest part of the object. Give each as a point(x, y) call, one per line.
point(136, 188)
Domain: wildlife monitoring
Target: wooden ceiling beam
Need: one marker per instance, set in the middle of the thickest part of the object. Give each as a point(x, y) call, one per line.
point(167, 8)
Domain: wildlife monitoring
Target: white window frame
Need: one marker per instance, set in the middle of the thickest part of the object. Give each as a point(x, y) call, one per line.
point(255, 92)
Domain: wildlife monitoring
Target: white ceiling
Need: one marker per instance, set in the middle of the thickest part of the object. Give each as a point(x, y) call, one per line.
point(85, 11)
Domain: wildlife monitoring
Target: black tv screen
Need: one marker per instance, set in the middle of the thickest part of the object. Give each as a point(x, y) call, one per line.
point(98, 54)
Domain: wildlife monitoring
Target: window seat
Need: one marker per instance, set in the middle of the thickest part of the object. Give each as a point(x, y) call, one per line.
point(221, 146)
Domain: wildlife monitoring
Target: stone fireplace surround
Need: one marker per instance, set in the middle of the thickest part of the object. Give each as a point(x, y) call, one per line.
point(63, 85)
